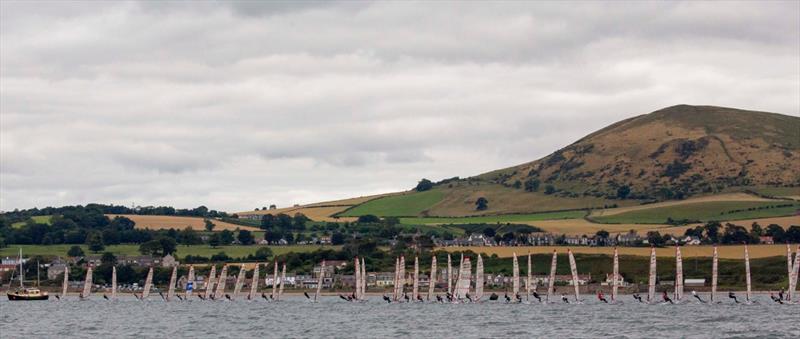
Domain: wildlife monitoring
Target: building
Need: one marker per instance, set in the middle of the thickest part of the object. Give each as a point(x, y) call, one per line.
point(766, 240)
point(694, 282)
point(383, 279)
point(55, 269)
point(169, 261)
point(610, 279)
point(691, 240)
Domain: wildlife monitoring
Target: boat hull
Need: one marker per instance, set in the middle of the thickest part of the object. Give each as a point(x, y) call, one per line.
point(16, 297)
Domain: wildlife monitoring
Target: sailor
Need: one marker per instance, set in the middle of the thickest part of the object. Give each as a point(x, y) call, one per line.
point(419, 298)
point(439, 298)
point(536, 295)
point(162, 296)
point(306, 294)
point(637, 297)
point(519, 298)
point(601, 297)
point(264, 296)
point(733, 296)
point(405, 296)
point(388, 300)
point(775, 299)
point(780, 294)
point(494, 296)
point(666, 298)
point(344, 298)
point(564, 298)
point(697, 296)
point(508, 300)
point(228, 296)
point(468, 297)
point(57, 297)
point(179, 297)
point(203, 298)
point(105, 297)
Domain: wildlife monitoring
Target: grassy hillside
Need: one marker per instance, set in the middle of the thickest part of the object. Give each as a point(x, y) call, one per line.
point(705, 211)
point(401, 205)
point(491, 219)
point(39, 219)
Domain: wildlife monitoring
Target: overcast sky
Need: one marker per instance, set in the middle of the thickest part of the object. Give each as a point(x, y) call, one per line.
point(237, 105)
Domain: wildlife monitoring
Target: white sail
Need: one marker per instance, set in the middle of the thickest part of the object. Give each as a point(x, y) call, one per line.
point(615, 276)
point(254, 283)
point(357, 275)
point(223, 277)
point(552, 281)
point(415, 288)
point(714, 265)
point(432, 280)
point(210, 282)
point(396, 282)
point(651, 281)
point(283, 278)
point(66, 281)
point(479, 279)
point(274, 280)
point(237, 287)
point(113, 282)
point(464, 277)
point(363, 279)
point(678, 274)
point(747, 273)
point(172, 280)
point(574, 270)
point(789, 271)
point(148, 284)
point(87, 284)
point(319, 281)
point(529, 281)
point(795, 272)
point(449, 274)
point(402, 277)
point(515, 276)
point(189, 282)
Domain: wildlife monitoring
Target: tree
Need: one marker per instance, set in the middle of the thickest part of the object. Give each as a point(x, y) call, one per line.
point(391, 221)
point(214, 240)
point(226, 237)
point(549, 189)
point(337, 238)
point(368, 219)
point(152, 247)
point(532, 185)
point(168, 245)
point(209, 225)
point(623, 191)
point(517, 184)
point(108, 258)
point(489, 232)
point(75, 251)
point(245, 237)
point(424, 185)
point(776, 232)
point(655, 238)
point(735, 234)
point(481, 204)
point(263, 253)
point(602, 234)
point(712, 231)
point(95, 242)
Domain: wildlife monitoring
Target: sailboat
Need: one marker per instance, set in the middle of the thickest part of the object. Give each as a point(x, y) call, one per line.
point(237, 287)
point(219, 293)
point(415, 286)
point(254, 284)
point(432, 280)
point(66, 281)
point(515, 277)
point(574, 270)
point(529, 281)
point(23, 293)
point(189, 282)
point(795, 272)
point(401, 277)
point(87, 284)
point(464, 277)
point(749, 294)
point(678, 274)
point(615, 276)
point(651, 281)
point(113, 282)
point(148, 283)
point(319, 281)
point(209, 290)
point(551, 284)
point(172, 281)
point(714, 265)
point(449, 275)
point(356, 275)
point(283, 279)
point(790, 292)
point(363, 280)
point(396, 282)
point(479, 279)
point(274, 280)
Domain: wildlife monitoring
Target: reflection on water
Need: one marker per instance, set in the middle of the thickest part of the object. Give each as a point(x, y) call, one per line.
point(333, 317)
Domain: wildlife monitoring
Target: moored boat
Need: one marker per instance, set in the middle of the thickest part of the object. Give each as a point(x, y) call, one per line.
point(22, 293)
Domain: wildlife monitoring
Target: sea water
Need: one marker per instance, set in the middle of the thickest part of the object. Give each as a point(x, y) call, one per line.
point(295, 317)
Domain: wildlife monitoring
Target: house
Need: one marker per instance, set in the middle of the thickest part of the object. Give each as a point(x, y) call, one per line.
point(325, 240)
point(56, 268)
point(766, 240)
point(541, 239)
point(610, 279)
point(583, 279)
point(691, 240)
point(383, 279)
point(169, 261)
point(627, 239)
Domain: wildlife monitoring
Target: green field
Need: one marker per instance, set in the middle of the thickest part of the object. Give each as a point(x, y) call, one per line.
point(398, 205)
point(201, 250)
point(777, 191)
point(492, 219)
point(704, 211)
point(39, 219)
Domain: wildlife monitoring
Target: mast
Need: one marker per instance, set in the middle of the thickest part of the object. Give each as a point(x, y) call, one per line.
point(479, 279)
point(274, 280)
point(529, 282)
point(237, 288)
point(87, 284)
point(747, 272)
point(678, 274)
point(254, 283)
point(515, 277)
point(415, 288)
point(449, 275)
point(113, 282)
point(172, 281)
point(432, 279)
point(66, 281)
point(148, 282)
point(552, 282)
point(189, 282)
point(21, 271)
point(223, 277)
point(574, 269)
point(615, 276)
point(714, 264)
point(37, 273)
point(651, 283)
point(283, 278)
point(319, 281)
point(210, 282)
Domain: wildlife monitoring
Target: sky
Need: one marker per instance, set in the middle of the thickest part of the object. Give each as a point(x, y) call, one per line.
point(237, 105)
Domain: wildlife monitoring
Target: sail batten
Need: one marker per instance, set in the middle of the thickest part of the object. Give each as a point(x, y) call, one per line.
point(552, 280)
point(651, 281)
point(148, 284)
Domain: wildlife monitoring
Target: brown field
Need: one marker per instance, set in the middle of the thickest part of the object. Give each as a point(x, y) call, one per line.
point(158, 222)
point(725, 252)
point(321, 211)
point(717, 197)
point(785, 222)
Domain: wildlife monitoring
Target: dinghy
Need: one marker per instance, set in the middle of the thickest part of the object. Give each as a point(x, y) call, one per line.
point(714, 267)
point(87, 284)
point(515, 276)
point(283, 278)
point(254, 284)
point(463, 282)
point(189, 282)
point(209, 290)
point(113, 282)
point(615, 276)
point(396, 280)
point(529, 281)
point(148, 284)
point(363, 280)
point(172, 281)
point(651, 281)
point(789, 265)
point(552, 281)
point(223, 277)
point(66, 282)
point(319, 282)
point(449, 275)
point(795, 271)
point(237, 287)
point(678, 275)
point(574, 270)
point(401, 278)
point(749, 294)
point(415, 288)
point(432, 280)
point(274, 280)
point(479, 279)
